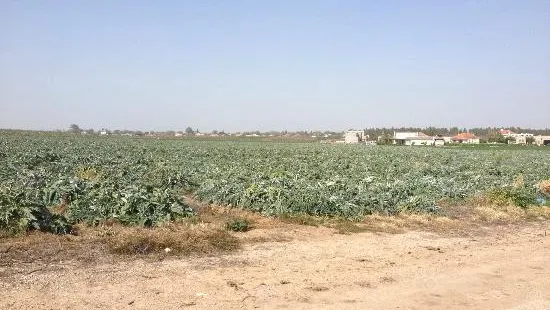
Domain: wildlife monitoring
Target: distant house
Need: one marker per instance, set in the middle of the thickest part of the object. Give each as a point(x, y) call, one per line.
point(542, 140)
point(466, 137)
point(510, 134)
point(405, 135)
point(412, 138)
point(519, 140)
point(506, 132)
point(354, 136)
point(439, 141)
point(427, 140)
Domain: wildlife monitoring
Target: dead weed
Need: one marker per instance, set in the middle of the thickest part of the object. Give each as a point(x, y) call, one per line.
point(173, 240)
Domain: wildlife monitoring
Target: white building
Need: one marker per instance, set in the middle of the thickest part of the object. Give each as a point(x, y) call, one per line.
point(412, 138)
point(439, 141)
point(510, 134)
point(420, 141)
point(405, 135)
point(354, 136)
point(523, 134)
point(542, 140)
point(520, 140)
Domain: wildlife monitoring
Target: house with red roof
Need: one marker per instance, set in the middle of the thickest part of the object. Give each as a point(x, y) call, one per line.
point(506, 133)
point(466, 137)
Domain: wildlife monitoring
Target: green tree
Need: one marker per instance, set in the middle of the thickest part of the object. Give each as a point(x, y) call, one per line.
point(189, 131)
point(74, 128)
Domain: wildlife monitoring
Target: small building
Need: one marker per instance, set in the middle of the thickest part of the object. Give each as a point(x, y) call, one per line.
point(354, 136)
point(412, 138)
point(520, 140)
point(506, 133)
point(439, 141)
point(466, 138)
point(542, 140)
point(427, 140)
point(405, 135)
point(510, 134)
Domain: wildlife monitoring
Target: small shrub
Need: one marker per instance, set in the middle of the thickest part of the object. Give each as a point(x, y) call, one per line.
point(238, 224)
point(544, 187)
point(519, 196)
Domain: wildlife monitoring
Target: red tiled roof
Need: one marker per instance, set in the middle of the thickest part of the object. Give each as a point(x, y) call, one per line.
point(505, 132)
point(464, 136)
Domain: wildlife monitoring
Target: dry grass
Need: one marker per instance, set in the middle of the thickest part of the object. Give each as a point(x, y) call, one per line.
point(171, 240)
point(206, 233)
point(96, 244)
point(463, 218)
point(348, 228)
point(486, 211)
point(544, 187)
point(45, 249)
point(302, 219)
point(403, 222)
point(267, 237)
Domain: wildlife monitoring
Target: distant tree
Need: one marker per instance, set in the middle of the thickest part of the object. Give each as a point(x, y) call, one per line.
point(189, 131)
point(384, 139)
point(74, 128)
point(530, 140)
point(497, 138)
point(431, 131)
point(90, 131)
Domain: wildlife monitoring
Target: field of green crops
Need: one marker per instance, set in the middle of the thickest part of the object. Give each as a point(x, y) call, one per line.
point(140, 181)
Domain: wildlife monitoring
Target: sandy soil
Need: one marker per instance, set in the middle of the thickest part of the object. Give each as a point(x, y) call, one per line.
point(502, 268)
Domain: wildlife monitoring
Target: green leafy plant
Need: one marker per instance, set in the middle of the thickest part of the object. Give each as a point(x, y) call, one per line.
point(520, 196)
point(238, 224)
point(141, 181)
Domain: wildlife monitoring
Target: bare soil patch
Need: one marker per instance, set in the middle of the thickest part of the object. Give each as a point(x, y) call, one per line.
point(488, 258)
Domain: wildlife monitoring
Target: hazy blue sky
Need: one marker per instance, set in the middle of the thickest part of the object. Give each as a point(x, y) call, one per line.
point(245, 65)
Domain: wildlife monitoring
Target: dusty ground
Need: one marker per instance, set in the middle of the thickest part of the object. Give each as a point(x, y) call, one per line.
point(501, 267)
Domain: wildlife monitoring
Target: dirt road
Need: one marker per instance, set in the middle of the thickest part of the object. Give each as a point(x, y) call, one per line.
point(503, 268)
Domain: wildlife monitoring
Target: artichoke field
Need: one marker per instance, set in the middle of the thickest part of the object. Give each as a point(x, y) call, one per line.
point(51, 181)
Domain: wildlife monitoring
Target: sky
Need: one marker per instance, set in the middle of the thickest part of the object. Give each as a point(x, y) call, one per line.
point(239, 65)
